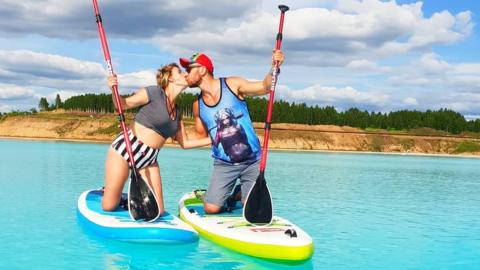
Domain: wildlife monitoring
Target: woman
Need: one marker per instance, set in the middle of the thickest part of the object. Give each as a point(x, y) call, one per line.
point(157, 119)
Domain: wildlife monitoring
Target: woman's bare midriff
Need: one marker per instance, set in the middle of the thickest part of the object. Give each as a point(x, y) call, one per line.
point(148, 136)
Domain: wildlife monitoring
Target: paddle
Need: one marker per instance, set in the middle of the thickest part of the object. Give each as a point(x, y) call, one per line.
point(258, 208)
point(142, 203)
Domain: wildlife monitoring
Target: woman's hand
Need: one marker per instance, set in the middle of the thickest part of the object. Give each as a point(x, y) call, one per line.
point(112, 80)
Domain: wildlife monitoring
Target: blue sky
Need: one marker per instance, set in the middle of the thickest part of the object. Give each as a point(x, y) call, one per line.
point(374, 55)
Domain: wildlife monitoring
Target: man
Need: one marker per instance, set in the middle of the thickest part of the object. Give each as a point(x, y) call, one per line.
point(221, 113)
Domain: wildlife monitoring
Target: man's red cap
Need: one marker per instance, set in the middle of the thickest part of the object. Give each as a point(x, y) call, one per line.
point(197, 59)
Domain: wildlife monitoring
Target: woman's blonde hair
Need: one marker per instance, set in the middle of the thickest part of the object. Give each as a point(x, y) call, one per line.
point(163, 74)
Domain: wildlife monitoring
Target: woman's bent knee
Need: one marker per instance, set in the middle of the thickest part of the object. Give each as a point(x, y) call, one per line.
point(108, 205)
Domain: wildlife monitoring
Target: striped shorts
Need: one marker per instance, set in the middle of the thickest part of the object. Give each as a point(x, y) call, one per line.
point(143, 155)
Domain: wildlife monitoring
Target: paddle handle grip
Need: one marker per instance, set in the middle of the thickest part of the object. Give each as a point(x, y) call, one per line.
point(268, 121)
point(106, 53)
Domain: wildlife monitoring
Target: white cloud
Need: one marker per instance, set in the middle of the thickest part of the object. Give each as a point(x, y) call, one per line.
point(6, 108)
point(467, 83)
point(130, 82)
point(127, 19)
point(30, 75)
point(441, 28)
point(466, 68)
point(364, 65)
point(367, 30)
point(462, 102)
point(430, 64)
point(46, 65)
point(64, 95)
point(33, 69)
point(13, 92)
point(430, 72)
point(333, 96)
point(386, 100)
point(410, 101)
point(406, 80)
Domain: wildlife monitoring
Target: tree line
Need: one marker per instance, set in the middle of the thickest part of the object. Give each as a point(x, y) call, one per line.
point(285, 112)
point(43, 105)
point(300, 113)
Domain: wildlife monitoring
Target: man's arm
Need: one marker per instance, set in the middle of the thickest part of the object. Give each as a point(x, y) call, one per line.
point(244, 87)
point(186, 143)
point(200, 138)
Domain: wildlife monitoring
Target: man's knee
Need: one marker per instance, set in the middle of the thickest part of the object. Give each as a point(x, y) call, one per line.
point(211, 208)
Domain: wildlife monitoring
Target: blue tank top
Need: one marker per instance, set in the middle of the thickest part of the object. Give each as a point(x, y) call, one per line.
point(230, 127)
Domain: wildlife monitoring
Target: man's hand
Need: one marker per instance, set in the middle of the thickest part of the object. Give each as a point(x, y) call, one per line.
point(277, 56)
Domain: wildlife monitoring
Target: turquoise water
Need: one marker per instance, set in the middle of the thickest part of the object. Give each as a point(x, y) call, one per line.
point(363, 211)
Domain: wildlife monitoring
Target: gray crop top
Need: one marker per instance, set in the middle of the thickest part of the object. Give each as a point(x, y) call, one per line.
point(154, 114)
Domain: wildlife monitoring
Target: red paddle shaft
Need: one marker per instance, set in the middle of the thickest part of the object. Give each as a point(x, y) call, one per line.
point(268, 121)
point(106, 53)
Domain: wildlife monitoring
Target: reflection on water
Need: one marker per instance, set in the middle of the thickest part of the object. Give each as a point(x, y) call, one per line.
point(199, 255)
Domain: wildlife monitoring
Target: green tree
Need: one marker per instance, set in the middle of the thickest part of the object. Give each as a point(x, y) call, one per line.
point(301, 113)
point(58, 102)
point(43, 104)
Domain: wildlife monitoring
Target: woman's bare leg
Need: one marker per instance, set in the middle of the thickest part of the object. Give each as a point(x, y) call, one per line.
point(152, 175)
point(116, 174)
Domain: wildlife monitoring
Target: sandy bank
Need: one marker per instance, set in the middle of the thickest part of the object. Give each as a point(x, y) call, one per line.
point(103, 128)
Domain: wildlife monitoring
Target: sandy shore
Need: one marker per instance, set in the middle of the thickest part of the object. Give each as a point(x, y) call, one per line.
point(84, 128)
point(173, 145)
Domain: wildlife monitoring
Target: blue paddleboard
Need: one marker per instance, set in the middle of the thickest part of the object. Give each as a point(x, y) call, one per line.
point(119, 225)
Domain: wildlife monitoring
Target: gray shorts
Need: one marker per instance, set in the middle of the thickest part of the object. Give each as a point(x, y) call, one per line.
point(224, 177)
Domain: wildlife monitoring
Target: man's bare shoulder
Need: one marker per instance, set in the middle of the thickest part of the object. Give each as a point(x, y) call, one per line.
point(235, 82)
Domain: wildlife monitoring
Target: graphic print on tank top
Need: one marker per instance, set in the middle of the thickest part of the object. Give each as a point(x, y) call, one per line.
point(232, 136)
point(230, 128)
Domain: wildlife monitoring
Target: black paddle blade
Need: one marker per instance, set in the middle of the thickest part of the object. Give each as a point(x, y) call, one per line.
point(258, 206)
point(142, 204)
